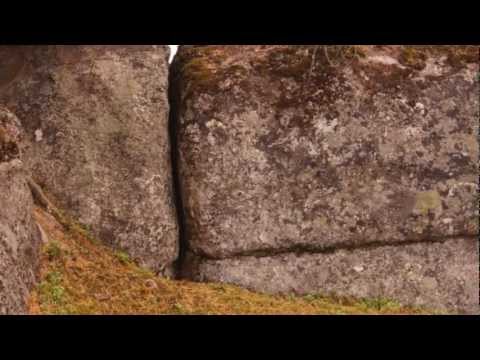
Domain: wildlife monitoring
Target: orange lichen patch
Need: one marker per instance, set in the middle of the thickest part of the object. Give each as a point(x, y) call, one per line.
point(293, 71)
point(460, 55)
point(201, 62)
point(415, 57)
point(198, 66)
point(79, 276)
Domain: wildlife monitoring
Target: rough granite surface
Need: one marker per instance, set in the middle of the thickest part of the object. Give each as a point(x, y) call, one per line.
point(19, 236)
point(285, 149)
point(437, 276)
point(96, 119)
point(346, 170)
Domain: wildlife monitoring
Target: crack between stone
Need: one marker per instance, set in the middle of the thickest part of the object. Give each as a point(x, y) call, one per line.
point(174, 151)
point(301, 250)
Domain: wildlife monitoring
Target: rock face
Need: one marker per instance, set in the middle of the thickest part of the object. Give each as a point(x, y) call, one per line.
point(296, 162)
point(19, 235)
point(96, 119)
point(441, 276)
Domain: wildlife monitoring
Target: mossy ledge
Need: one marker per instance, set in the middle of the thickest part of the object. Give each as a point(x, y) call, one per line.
point(81, 276)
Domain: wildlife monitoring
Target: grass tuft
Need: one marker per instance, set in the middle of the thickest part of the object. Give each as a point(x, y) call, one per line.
point(51, 290)
point(123, 257)
point(53, 251)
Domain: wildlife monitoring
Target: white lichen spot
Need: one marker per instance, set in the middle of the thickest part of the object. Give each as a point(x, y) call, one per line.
point(215, 124)
point(412, 131)
point(38, 135)
point(385, 60)
point(323, 127)
point(358, 268)
point(455, 187)
point(420, 108)
point(312, 149)
point(211, 139)
point(433, 67)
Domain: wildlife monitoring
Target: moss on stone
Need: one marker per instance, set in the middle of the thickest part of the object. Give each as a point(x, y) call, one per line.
point(413, 57)
point(460, 55)
point(198, 72)
point(427, 201)
point(299, 62)
point(199, 67)
point(456, 56)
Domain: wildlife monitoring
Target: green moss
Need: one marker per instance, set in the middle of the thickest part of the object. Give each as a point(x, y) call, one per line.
point(74, 227)
point(51, 290)
point(413, 57)
point(380, 304)
point(456, 56)
point(53, 251)
point(427, 201)
point(179, 309)
point(123, 257)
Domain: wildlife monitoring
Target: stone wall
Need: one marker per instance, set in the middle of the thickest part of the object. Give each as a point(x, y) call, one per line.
point(96, 119)
point(315, 169)
point(345, 170)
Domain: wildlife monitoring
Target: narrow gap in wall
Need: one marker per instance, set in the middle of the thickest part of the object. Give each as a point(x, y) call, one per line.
point(177, 194)
point(173, 52)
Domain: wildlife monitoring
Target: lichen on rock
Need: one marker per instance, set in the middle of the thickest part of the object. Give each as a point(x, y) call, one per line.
point(441, 276)
point(311, 148)
point(96, 123)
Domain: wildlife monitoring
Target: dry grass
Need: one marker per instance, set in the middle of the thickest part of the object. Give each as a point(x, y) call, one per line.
point(82, 277)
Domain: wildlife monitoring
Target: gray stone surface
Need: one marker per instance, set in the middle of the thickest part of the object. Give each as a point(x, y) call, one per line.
point(19, 237)
point(364, 151)
point(437, 276)
point(309, 148)
point(96, 119)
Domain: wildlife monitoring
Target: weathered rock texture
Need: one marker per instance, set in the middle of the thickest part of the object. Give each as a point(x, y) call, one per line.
point(310, 149)
point(19, 235)
point(96, 118)
point(441, 276)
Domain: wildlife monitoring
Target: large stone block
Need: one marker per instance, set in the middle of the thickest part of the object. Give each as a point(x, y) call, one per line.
point(19, 236)
point(437, 276)
point(96, 118)
point(285, 149)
